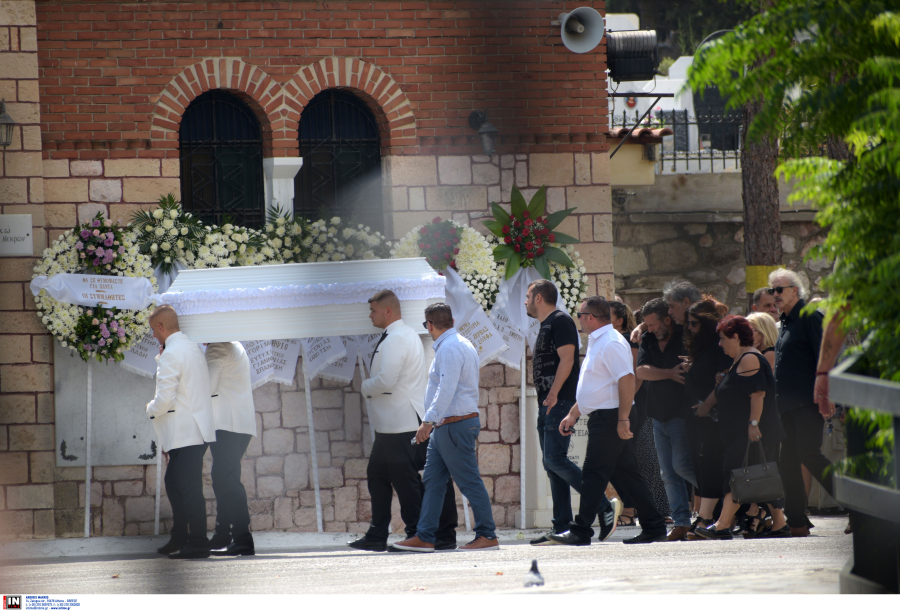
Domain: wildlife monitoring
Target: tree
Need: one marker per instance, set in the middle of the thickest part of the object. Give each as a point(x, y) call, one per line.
point(826, 75)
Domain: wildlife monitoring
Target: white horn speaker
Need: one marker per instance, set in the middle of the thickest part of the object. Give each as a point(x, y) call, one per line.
point(582, 29)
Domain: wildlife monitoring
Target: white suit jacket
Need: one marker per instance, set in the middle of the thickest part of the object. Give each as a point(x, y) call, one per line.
point(396, 389)
point(229, 381)
point(181, 411)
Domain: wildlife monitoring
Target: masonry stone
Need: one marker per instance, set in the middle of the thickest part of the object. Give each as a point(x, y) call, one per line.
point(269, 486)
point(296, 471)
point(16, 409)
point(330, 477)
point(506, 489)
point(31, 437)
point(670, 256)
point(69, 190)
point(13, 468)
point(106, 190)
point(522, 177)
point(551, 169)
point(416, 198)
point(346, 501)
point(85, 168)
point(266, 398)
point(132, 167)
point(589, 199)
point(600, 168)
point(269, 465)
point(509, 423)
point(485, 174)
point(284, 512)
point(147, 190)
point(640, 234)
point(456, 198)
point(29, 497)
point(410, 170)
point(455, 170)
point(493, 459)
point(278, 442)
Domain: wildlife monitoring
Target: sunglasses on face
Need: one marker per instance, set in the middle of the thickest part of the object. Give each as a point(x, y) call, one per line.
point(580, 314)
point(779, 289)
point(425, 324)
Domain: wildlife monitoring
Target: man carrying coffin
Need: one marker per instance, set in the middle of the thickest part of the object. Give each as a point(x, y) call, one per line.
point(396, 393)
point(235, 418)
point(182, 415)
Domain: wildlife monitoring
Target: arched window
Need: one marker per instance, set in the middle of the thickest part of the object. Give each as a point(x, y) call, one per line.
point(341, 150)
point(221, 160)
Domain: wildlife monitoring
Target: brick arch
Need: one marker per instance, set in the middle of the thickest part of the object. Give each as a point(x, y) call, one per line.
point(380, 92)
point(249, 83)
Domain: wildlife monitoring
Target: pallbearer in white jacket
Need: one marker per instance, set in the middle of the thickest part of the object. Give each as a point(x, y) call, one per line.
point(182, 415)
point(396, 393)
point(235, 416)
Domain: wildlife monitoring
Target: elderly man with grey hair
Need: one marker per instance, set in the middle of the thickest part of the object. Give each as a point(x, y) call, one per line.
point(796, 359)
point(680, 295)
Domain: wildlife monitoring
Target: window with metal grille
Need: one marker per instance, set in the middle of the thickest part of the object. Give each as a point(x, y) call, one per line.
point(221, 160)
point(341, 150)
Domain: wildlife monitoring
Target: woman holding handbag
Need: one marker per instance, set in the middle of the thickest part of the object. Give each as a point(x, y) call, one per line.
point(747, 415)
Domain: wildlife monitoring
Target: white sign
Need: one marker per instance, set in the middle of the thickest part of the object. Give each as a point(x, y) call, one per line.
point(470, 320)
point(141, 357)
point(16, 238)
point(319, 352)
point(121, 292)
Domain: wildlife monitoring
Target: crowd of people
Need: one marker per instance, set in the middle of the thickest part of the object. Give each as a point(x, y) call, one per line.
point(673, 402)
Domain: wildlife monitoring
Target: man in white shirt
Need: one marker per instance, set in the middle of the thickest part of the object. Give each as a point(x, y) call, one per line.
point(606, 393)
point(396, 393)
point(182, 415)
point(235, 417)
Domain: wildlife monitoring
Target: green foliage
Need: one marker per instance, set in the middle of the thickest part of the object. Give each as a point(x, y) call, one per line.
point(877, 462)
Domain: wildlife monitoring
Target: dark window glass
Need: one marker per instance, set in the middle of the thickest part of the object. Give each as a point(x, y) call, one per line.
point(221, 160)
point(341, 150)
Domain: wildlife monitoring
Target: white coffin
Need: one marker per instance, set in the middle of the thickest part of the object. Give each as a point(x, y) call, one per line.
point(298, 299)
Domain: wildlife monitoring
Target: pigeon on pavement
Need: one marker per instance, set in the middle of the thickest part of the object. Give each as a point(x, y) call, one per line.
point(533, 578)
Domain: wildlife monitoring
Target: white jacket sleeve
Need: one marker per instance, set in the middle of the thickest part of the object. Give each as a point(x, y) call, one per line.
point(167, 379)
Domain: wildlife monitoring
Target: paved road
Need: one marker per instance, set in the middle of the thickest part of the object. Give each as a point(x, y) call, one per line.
point(809, 565)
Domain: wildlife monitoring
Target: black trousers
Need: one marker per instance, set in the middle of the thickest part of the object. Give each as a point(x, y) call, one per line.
point(394, 465)
point(184, 486)
point(610, 458)
point(803, 428)
point(232, 512)
point(708, 453)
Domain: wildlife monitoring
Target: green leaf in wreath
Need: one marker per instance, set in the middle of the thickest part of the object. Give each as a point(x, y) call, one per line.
point(538, 203)
point(518, 204)
point(495, 227)
point(512, 265)
point(557, 255)
point(500, 215)
point(553, 220)
point(564, 238)
point(542, 266)
point(503, 251)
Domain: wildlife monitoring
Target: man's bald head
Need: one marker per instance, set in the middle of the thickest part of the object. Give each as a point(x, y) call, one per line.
point(164, 322)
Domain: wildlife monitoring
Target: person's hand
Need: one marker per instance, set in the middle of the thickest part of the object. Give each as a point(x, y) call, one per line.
point(686, 363)
point(719, 377)
point(820, 396)
point(702, 409)
point(636, 333)
point(423, 433)
point(676, 373)
point(166, 456)
point(624, 429)
point(753, 433)
point(567, 425)
point(550, 401)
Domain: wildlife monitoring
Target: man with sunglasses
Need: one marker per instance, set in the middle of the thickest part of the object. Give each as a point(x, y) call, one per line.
point(796, 359)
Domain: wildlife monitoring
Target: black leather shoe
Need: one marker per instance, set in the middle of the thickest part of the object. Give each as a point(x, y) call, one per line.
point(444, 545)
point(646, 537)
point(369, 544)
point(710, 532)
point(240, 547)
point(782, 533)
point(172, 546)
point(220, 541)
point(190, 551)
point(568, 538)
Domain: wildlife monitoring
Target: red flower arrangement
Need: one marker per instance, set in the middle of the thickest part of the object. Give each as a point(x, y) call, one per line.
point(438, 243)
point(528, 234)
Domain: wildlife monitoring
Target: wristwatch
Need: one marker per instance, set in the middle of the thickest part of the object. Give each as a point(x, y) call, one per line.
point(754, 423)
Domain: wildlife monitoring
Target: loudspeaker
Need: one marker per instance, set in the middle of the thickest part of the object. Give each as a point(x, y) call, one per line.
point(582, 29)
point(632, 55)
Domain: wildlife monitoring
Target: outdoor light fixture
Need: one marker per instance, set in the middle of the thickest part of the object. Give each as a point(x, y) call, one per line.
point(478, 120)
point(6, 126)
point(632, 55)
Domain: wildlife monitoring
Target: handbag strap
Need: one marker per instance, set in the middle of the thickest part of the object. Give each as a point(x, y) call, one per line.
point(747, 454)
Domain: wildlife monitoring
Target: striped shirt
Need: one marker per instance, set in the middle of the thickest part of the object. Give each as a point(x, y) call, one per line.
point(453, 378)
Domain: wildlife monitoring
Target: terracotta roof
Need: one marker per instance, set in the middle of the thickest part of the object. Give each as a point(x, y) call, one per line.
point(641, 132)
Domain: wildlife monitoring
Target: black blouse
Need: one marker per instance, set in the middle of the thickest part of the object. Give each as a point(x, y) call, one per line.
point(733, 400)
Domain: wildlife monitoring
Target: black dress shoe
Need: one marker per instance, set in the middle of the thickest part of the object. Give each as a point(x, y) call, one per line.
point(710, 532)
point(189, 551)
point(646, 537)
point(568, 538)
point(369, 544)
point(444, 545)
point(220, 541)
point(240, 547)
point(782, 533)
point(172, 546)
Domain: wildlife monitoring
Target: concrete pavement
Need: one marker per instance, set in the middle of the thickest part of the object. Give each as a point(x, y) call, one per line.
point(312, 563)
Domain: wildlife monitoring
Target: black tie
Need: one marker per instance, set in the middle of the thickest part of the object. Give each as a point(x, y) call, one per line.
point(380, 339)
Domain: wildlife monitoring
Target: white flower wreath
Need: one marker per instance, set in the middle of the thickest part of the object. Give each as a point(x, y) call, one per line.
point(474, 261)
point(336, 240)
point(67, 322)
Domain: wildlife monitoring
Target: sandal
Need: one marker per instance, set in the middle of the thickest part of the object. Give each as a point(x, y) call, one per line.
point(669, 520)
point(627, 519)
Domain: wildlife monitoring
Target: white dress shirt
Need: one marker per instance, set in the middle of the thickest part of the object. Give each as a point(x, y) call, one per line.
point(181, 410)
point(396, 390)
point(229, 383)
point(607, 358)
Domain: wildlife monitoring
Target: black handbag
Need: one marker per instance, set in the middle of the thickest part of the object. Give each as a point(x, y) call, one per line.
point(756, 483)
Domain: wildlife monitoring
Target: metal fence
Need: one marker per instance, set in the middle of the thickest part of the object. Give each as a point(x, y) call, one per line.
point(703, 142)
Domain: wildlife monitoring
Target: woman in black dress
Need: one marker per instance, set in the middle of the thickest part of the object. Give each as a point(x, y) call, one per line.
point(705, 359)
point(747, 413)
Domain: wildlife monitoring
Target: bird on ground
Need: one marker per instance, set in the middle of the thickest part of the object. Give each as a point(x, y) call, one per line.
point(533, 578)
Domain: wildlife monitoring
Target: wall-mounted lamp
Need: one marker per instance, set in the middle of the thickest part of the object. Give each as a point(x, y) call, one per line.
point(478, 120)
point(6, 126)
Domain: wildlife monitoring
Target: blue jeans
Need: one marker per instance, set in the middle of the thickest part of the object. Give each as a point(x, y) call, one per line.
point(451, 452)
point(677, 468)
point(563, 473)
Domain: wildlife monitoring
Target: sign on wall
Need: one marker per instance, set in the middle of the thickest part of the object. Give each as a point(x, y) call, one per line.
point(16, 238)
